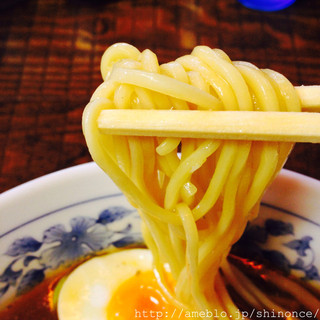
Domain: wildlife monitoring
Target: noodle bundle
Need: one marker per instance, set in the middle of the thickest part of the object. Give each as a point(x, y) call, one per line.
point(194, 196)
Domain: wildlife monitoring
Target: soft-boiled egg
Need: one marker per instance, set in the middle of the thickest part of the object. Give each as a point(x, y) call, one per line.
point(119, 285)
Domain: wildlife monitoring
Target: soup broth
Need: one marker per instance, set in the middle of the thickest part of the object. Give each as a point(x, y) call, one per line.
point(283, 290)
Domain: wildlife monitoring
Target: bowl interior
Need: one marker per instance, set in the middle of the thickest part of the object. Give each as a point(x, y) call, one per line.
point(73, 213)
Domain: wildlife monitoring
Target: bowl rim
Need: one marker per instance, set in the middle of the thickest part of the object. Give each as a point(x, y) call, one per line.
point(92, 166)
point(286, 183)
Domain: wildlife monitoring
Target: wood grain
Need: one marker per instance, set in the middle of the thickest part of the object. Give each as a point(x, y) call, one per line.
point(50, 53)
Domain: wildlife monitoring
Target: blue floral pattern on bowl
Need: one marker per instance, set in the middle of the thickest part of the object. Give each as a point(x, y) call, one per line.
point(63, 245)
point(60, 245)
point(250, 246)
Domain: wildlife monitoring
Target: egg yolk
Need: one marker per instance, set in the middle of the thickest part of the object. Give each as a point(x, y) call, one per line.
point(141, 297)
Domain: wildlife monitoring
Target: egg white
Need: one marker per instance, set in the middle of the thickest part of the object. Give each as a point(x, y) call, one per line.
point(88, 289)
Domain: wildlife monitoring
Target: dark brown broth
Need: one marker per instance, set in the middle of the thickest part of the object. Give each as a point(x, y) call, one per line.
point(260, 274)
point(37, 304)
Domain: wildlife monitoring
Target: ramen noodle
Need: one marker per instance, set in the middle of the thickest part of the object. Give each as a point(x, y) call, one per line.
point(195, 196)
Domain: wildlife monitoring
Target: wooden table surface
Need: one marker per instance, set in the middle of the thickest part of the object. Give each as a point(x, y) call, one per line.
point(50, 52)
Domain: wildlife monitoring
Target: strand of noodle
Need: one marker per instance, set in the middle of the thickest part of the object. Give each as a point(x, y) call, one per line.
point(174, 70)
point(214, 298)
point(122, 154)
point(105, 90)
point(182, 291)
point(232, 309)
point(168, 294)
point(253, 289)
point(213, 219)
point(169, 161)
point(221, 87)
point(185, 169)
point(191, 253)
point(236, 283)
point(266, 100)
point(149, 241)
point(158, 270)
point(207, 250)
point(285, 90)
point(148, 146)
point(154, 189)
point(239, 223)
point(144, 97)
point(215, 249)
point(264, 173)
point(162, 101)
point(228, 72)
point(209, 290)
point(245, 181)
point(178, 104)
point(200, 177)
point(158, 267)
point(177, 245)
point(222, 54)
point(164, 165)
point(137, 163)
point(289, 101)
point(196, 80)
point(162, 244)
point(182, 287)
point(187, 147)
point(283, 151)
point(301, 294)
point(217, 181)
point(167, 145)
point(228, 215)
point(117, 52)
point(187, 192)
point(90, 115)
point(266, 97)
point(193, 189)
point(171, 255)
point(161, 178)
point(229, 201)
point(164, 84)
point(149, 61)
point(127, 64)
point(122, 96)
point(172, 160)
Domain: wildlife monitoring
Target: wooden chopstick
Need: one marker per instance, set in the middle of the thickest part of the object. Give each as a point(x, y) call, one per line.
point(309, 98)
point(240, 125)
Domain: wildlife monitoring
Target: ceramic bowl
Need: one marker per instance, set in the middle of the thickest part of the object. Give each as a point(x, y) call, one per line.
point(73, 213)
